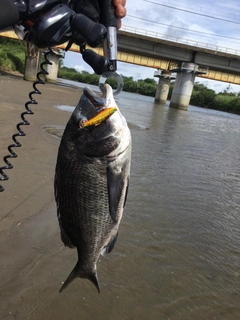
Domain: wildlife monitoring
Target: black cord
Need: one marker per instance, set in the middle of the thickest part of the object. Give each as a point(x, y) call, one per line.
point(24, 121)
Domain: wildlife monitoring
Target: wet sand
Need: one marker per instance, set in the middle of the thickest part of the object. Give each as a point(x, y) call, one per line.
point(29, 228)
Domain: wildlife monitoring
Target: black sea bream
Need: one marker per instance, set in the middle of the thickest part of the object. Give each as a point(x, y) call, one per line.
point(91, 181)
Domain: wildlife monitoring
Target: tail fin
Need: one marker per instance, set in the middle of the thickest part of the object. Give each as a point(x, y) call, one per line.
point(77, 271)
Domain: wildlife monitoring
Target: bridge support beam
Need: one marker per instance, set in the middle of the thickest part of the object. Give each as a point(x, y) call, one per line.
point(183, 86)
point(162, 91)
point(52, 69)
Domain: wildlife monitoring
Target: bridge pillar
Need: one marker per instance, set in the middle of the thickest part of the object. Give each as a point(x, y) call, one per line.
point(32, 59)
point(183, 86)
point(52, 69)
point(163, 85)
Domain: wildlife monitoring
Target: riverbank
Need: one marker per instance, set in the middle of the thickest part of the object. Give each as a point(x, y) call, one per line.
point(28, 228)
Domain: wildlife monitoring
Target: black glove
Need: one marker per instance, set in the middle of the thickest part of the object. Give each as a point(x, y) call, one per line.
point(89, 8)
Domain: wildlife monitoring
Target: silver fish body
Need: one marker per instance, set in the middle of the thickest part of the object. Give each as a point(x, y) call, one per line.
point(91, 182)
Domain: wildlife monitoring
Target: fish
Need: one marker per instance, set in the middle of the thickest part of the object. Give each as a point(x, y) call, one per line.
point(92, 180)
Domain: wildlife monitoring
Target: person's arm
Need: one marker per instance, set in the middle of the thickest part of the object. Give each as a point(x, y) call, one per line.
point(9, 14)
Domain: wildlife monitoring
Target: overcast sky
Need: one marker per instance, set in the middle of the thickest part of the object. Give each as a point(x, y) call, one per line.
point(207, 21)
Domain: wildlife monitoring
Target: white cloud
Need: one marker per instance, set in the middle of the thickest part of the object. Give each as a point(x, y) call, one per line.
point(75, 60)
point(79, 68)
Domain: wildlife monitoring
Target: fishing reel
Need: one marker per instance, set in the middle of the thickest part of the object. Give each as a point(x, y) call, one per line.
point(48, 23)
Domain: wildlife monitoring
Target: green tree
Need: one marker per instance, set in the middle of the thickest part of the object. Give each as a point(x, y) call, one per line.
point(202, 96)
point(150, 81)
point(12, 54)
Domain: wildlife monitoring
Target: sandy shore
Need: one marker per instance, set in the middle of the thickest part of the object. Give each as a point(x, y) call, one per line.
point(28, 228)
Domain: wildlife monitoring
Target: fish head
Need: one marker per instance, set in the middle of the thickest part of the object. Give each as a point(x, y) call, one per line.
point(96, 125)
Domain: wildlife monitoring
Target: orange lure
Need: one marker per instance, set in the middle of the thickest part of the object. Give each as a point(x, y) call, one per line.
point(99, 118)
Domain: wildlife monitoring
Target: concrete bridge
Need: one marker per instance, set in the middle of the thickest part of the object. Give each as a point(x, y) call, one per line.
point(187, 58)
point(164, 52)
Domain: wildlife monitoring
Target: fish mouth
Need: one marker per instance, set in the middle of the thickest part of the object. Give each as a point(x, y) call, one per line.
point(99, 102)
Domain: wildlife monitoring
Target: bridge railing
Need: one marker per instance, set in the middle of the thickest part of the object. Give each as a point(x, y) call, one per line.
point(179, 40)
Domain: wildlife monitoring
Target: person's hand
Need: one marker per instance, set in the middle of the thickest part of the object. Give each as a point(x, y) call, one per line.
point(91, 8)
point(121, 11)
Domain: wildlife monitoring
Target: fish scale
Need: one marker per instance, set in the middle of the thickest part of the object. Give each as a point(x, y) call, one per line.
point(84, 207)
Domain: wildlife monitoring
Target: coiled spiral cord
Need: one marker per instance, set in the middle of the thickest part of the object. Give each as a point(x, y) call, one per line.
point(24, 121)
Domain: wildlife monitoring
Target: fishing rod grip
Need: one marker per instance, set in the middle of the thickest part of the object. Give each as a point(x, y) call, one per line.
point(98, 63)
point(109, 19)
point(92, 32)
point(108, 14)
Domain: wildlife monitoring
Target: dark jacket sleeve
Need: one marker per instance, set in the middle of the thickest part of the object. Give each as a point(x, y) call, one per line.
point(89, 8)
point(9, 14)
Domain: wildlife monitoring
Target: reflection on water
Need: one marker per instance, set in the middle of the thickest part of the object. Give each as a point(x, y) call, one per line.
point(178, 251)
point(65, 108)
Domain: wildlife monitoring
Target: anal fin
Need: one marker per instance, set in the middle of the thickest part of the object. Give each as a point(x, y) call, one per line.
point(109, 247)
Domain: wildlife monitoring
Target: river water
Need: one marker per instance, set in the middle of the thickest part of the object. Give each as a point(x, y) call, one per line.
point(178, 252)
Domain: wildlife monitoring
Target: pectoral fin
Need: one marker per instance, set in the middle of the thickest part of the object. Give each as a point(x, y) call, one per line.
point(115, 188)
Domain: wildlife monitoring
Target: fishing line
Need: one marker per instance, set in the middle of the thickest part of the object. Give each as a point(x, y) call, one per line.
point(24, 121)
point(213, 159)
